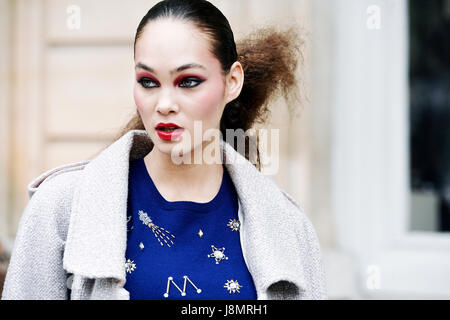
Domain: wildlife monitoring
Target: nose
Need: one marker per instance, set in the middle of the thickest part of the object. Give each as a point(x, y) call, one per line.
point(166, 103)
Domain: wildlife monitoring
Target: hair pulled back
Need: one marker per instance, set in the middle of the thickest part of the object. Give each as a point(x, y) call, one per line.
point(269, 59)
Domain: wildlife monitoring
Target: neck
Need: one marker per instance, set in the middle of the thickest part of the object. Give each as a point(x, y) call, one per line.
point(188, 181)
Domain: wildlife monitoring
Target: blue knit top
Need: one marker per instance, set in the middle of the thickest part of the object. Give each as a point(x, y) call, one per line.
point(183, 249)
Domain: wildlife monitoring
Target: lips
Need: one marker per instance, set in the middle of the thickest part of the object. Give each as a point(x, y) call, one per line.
point(168, 131)
point(167, 126)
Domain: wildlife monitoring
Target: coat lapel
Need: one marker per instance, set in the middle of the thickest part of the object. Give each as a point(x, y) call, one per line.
point(97, 236)
point(269, 227)
point(96, 240)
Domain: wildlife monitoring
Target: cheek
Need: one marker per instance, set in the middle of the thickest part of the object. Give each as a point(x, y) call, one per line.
point(209, 101)
point(138, 98)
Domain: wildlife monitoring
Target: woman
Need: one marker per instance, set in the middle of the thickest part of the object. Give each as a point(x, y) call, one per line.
point(149, 219)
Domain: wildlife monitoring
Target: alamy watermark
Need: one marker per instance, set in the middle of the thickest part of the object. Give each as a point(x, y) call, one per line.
point(373, 21)
point(373, 280)
point(267, 147)
point(73, 21)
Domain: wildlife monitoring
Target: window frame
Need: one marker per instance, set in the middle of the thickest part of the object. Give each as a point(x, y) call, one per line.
point(370, 157)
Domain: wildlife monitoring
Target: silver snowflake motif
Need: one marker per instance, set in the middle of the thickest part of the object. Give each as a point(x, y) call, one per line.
point(234, 224)
point(161, 234)
point(232, 286)
point(130, 266)
point(200, 233)
point(217, 254)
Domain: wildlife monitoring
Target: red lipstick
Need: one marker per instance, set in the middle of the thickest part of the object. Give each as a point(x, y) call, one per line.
point(168, 131)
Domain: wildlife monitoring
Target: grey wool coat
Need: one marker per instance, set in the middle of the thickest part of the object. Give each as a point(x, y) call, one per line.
point(72, 236)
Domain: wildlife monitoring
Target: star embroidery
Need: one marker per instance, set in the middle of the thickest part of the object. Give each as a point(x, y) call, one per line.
point(217, 254)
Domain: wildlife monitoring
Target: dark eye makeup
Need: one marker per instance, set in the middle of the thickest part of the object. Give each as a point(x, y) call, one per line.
point(186, 82)
point(193, 81)
point(148, 83)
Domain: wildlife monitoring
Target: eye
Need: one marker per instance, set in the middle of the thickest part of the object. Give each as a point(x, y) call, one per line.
point(148, 83)
point(190, 82)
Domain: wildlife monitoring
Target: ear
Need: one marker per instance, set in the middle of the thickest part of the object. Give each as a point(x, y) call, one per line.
point(234, 82)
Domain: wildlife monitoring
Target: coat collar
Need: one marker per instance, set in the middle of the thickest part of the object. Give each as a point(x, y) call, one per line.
point(97, 235)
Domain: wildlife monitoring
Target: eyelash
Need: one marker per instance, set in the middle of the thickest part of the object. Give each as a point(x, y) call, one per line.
point(189, 79)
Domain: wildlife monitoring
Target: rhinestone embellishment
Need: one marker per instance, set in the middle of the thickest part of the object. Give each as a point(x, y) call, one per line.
point(234, 224)
point(232, 286)
point(217, 254)
point(130, 266)
point(162, 235)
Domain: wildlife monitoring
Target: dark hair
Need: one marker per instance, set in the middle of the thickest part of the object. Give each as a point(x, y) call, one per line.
point(269, 59)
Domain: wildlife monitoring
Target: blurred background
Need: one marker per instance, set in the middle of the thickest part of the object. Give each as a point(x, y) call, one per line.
point(367, 154)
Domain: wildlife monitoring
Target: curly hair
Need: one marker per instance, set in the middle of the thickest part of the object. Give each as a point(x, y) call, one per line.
point(269, 58)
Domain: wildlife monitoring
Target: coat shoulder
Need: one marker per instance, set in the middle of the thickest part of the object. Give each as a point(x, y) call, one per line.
point(297, 211)
point(58, 178)
point(291, 199)
point(299, 215)
point(51, 195)
point(52, 192)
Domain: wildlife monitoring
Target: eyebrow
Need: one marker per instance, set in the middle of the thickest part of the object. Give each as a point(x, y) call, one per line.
point(179, 69)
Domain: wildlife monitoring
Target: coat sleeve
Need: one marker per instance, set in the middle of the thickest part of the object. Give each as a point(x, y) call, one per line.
point(35, 270)
point(312, 257)
point(313, 264)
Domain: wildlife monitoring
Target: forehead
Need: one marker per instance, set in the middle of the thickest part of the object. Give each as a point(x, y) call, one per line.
point(168, 43)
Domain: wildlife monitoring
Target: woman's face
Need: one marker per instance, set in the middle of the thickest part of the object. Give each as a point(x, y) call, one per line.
point(178, 80)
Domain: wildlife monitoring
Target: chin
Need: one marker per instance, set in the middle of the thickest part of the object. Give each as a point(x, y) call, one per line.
point(169, 147)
